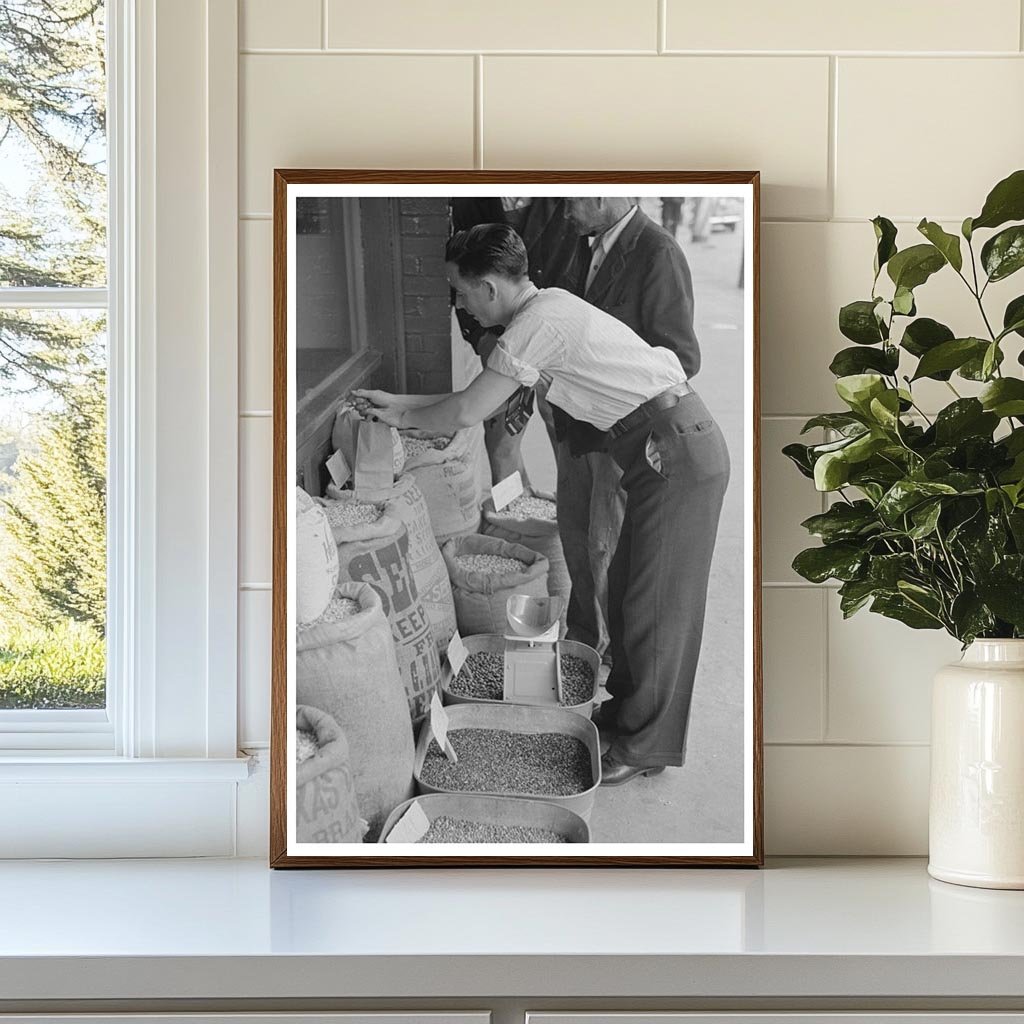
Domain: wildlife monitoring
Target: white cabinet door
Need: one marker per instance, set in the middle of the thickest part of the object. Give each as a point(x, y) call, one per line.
point(933, 1017)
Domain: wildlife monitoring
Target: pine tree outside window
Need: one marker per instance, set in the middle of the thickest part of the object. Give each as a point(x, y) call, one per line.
point(53, 364)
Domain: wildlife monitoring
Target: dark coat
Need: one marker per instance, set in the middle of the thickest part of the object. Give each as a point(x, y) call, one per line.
point(645, 282)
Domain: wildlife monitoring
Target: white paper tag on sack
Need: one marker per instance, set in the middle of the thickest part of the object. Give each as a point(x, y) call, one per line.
point(457, 653)
point(439, 727)
point(411, 827)
point(508, 490)
point(337, 466)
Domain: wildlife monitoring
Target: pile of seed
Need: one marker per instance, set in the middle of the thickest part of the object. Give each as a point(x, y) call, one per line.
point(305, 746)
point(460, 830)
point(498, 761)
point(339, 608)
point(490, 565)
point(353, 513)
point(418, 445)
point(483, 677)
point(577, 680)
point(526, 506)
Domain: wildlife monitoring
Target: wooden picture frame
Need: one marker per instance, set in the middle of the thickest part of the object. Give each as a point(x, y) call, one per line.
point(380, 235)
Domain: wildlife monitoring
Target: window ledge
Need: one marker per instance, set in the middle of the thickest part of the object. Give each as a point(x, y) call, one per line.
point(76, 767)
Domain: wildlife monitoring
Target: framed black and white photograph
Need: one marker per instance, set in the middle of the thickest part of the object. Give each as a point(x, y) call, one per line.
point(516, 614)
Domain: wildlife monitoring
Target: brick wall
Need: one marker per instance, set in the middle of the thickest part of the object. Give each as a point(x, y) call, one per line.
point(423, 229)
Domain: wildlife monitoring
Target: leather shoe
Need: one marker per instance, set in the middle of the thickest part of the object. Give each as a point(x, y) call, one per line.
point(615, 773)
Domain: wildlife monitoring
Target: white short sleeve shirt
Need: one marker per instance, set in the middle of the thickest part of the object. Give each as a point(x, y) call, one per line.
point(600, 369)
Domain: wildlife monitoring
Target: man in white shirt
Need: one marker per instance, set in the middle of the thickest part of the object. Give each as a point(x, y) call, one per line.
point(675, 471)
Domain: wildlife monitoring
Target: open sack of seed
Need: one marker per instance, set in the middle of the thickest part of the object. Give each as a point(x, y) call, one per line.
point(485, 572)
point(532, 520)
point(445, 471)
point(373, 451)
point(373, 547)
point(404, 500)
point(345, 665)
point(316, 559)
point(326, 805)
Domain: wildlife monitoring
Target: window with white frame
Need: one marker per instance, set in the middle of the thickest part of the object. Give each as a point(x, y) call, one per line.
point(54, 371)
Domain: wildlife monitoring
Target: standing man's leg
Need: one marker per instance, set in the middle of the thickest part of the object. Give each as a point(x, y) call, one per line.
point(591, 505)
point(676, 476)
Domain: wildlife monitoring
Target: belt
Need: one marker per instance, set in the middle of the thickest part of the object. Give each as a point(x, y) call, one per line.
point(642, 413)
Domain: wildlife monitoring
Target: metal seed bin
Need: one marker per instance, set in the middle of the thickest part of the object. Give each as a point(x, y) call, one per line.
point(495, 643)
point(526, 721)
point(496, 810)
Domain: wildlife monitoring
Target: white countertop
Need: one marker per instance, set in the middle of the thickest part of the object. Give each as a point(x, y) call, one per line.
point(234, 929)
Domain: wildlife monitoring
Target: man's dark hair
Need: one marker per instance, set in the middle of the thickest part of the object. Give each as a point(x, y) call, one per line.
point(487, 249)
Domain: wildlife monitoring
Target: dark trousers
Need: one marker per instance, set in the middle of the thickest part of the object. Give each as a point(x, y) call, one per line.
point(675, 471)
point(591, 506)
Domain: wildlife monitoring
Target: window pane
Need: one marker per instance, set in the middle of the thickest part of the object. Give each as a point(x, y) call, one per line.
point(52, 509)
point(53, 150)
point(328, 282)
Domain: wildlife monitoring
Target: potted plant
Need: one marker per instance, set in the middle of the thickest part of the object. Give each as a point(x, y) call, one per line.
point(927, 521)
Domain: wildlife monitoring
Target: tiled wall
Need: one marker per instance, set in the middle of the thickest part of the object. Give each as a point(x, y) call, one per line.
point(906, 109)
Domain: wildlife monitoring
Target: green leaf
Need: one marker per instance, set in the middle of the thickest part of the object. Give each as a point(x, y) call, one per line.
point(849, 361)
point(843, 521)
point(907, 494)
point(991, 360)
point(1003, 254)
point(974, 368)
point(1013, 317)
point(857, 322)
point(913, 266)
point(841, 421)
point(840, 561)
point(1006, 599)
point(887, 570)
point(1005, 202)
point(831, 471)
point(885, 409)
point(966, 417)
point(903, 302)
point(950, 355)
point(800, 456)
point(923, 335)
point(885, 236)
point(925, 518)
point(947, 244)
point(1004, 397)
point(855, 594)
point(965, 229)
point(970, 617)
point(858, 389)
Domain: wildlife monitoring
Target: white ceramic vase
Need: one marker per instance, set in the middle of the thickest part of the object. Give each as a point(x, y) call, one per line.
point(976, 813)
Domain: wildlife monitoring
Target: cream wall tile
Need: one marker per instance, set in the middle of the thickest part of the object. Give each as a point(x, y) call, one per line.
point(767, 114)
point(255, 320)
point(846, 801)
point(470, 25)
point(809, 271)
point(787, 498)
point(880, 676)
point(351, 111)
point(254, 609)
point(962, 127)
point(255, 506)
point(869, 25)
point(261, 24)
point(794, 663)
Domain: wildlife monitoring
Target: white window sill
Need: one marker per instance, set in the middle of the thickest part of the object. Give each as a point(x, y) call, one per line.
point(79, 767)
